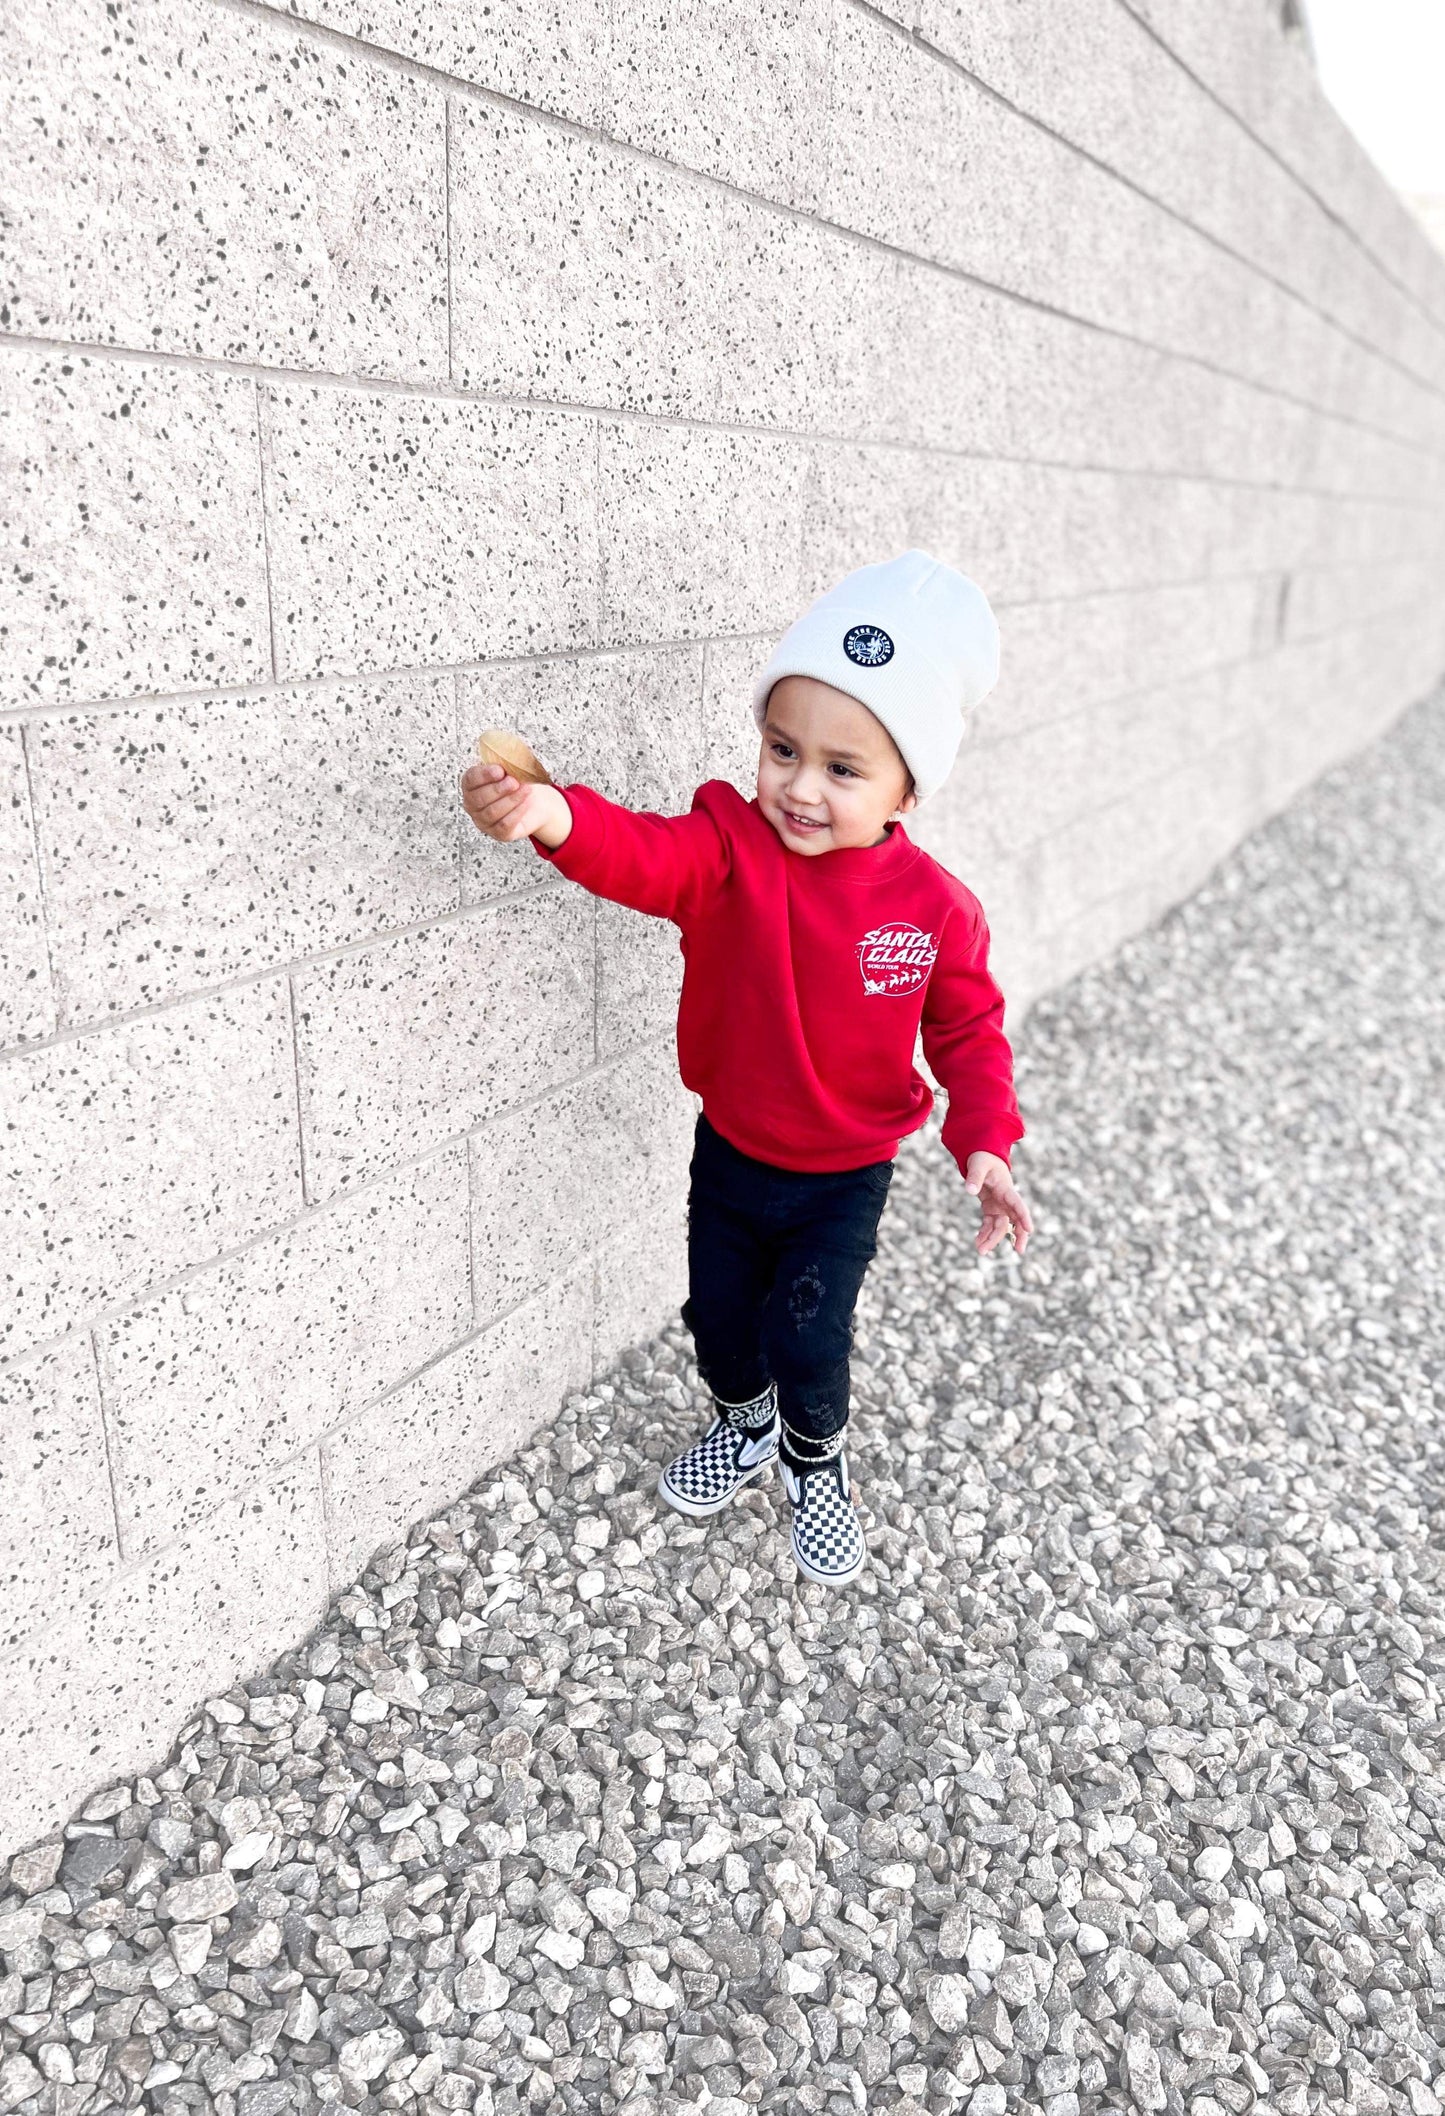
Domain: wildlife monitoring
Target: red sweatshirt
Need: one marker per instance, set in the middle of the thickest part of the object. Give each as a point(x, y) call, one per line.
point(806, 978)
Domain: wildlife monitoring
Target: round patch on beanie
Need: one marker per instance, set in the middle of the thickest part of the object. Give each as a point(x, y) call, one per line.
point(868, 645)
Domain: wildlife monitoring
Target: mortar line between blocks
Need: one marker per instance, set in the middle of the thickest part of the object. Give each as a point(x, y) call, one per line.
point(276, 1471)
point(536, 891)
point(61, 708)
point(176, 1281)
point(401, 672)
point(296, 1083)
point(327, 1521)
point(33, 819)
point(1287, 168)
point(469, 1173)
point(957, 67)
point(823, 437)
point(120, 1539)
point(471, 91)
point(265, 534)
point(549, 887)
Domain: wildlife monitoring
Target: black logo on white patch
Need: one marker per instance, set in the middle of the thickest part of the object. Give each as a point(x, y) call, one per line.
point(868, 645)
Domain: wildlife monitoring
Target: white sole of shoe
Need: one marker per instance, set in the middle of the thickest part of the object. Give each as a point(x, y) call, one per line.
point(826, 1579)
point(698, 1511)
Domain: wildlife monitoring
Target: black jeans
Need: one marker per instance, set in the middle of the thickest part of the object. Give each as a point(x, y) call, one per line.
point(776, 1257)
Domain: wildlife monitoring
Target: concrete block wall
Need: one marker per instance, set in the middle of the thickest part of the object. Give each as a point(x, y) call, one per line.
point(373, 370)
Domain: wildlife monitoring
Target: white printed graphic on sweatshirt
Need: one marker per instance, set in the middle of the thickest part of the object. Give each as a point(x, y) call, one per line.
point(896, 957)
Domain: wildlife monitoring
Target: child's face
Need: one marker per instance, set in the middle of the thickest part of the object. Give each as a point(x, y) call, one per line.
point(829, 773)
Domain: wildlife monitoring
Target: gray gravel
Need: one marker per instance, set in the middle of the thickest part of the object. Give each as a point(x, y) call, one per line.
point(1113, 1785)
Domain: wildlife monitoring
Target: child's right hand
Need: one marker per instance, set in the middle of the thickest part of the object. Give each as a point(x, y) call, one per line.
point(505, 809)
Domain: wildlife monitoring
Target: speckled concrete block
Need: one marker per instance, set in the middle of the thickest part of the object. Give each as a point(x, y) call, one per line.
point(57, 1526)
point(534, 1208)
point(966, 368)
point(642, 1280)
point(424, 1444)
point(543, 52)
point(402, 1046)
point(733, 87)
point(863, 502)
point(1103, 251)
point(972, 200)
point(1059, 657)
point(645, 1124)
point(701, 532)
point(582, 273)
point(1107, 850)
point(1289, 706)
point(545, 1178)
point(628, 725)
point(425, 530)
point(639, 976)
point(1308, 601)
point(186, 844)
point(145, 1148)
point(731, 739)
point(27, 1001)
point(219, 1383)
point(1095, 77)
point(1238, 55)
point(135, 529)
point(1327, 695)
point(1021, 789)
point(1330, 456)
point(1030, 532)
point(104, 1690)
point(165, 198)
point(1099, 78)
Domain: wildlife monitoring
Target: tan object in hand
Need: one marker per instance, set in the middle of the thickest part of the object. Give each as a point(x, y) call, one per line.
point(500, 746)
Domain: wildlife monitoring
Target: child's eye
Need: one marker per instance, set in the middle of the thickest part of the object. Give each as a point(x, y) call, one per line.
point(782, 749)
point(779, 748)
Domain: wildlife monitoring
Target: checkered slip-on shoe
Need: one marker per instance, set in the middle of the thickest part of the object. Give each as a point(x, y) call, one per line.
point(733, 1453)
point(827, 1536)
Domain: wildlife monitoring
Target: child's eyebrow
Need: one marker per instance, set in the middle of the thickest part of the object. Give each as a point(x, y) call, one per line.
point(844, 756)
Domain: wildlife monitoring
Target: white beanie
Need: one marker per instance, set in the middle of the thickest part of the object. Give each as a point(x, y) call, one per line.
point(913, 640)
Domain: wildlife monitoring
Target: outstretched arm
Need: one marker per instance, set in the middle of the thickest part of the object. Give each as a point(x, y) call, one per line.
point(664, 865)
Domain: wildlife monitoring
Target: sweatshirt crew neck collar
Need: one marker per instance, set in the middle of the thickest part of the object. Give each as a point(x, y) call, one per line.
point(852, 863)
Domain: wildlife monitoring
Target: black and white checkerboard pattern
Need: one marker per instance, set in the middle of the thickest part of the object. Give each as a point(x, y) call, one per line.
point(827, 1538)
point(728, 1458)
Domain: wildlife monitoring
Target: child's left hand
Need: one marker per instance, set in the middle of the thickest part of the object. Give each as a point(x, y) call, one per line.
point(989, 1180)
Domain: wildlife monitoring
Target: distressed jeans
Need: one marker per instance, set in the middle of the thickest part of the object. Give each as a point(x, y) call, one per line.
point(776, 1257)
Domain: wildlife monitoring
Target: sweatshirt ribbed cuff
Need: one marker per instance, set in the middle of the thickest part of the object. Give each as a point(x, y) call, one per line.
point(582, 839)
point(985, 1138)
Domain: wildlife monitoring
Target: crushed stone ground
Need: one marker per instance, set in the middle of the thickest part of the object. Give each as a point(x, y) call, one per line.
point(1115, 1783)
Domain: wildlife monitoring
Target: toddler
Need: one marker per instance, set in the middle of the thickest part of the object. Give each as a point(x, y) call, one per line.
point(817, 939)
